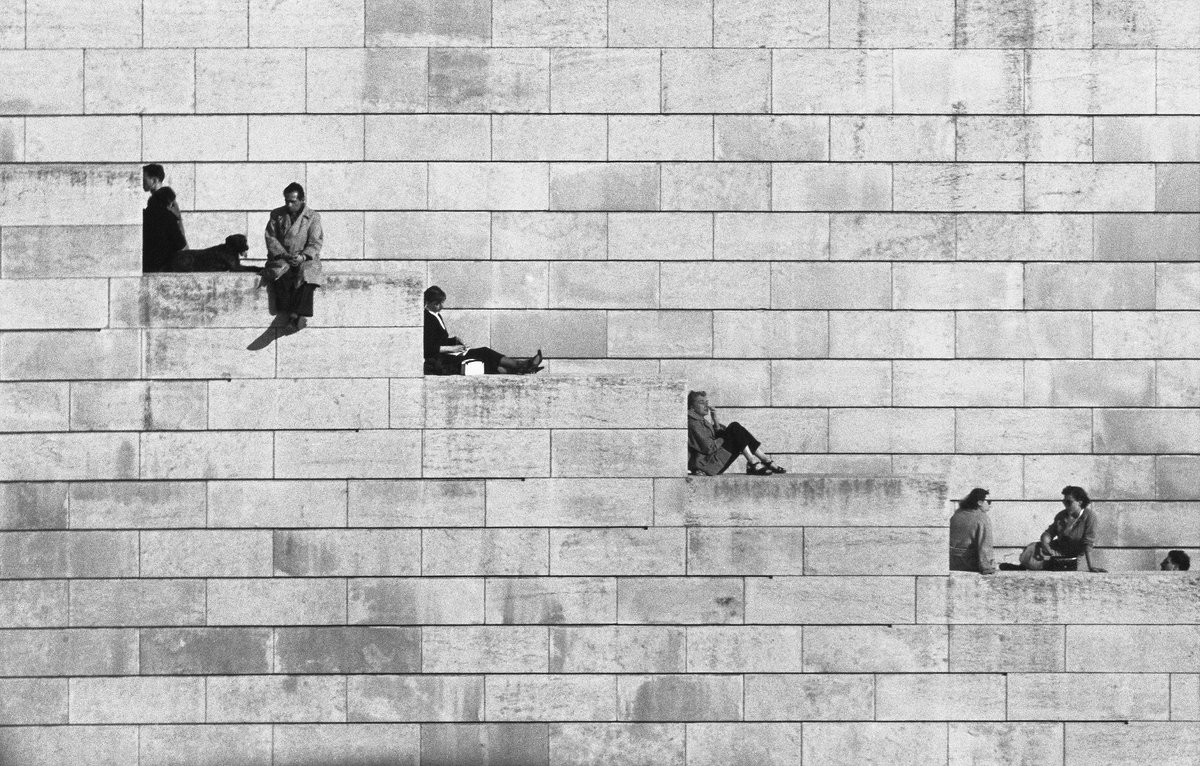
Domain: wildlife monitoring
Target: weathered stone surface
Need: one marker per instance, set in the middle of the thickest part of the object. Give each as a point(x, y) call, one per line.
point(594, 452)
point(744, 744)
point(488, 186)
point(875, 649)
point(35, 506)
point(742, 649)
point(486, 453)
point(347, 454)
point(550, 697)
point(919, 696)
point(617, 649)
point(877, 430)
point(1131, 648)
point(982, 743)
point(1089, 696)
point(347, 553)
point(80, 251)
point(347, 650)
point(137, 602)
point(495, 80)
point(693, 697)
point(771, 236)
point(315, 601)
point(33, 701)
point(892, 138)
point(205, 455)
point(958, 187)
point(69, 652)
point(957, 383)
point(829, 186)
point(42, 82)
point(827, 286)
point(825, 600)
point(415, 698)
point(876, 744)
point(137, 700)
point(551, 600)
point(416, 503)
point(604, 80)
point(1024, 139)
point(1178, 83)
point(1089, 82)
point(142, 505)
point(1109, 744)
point(633, 744)
point(550, 137)
point(604, 186)
point(208, 651)
point(680, 600)
point(484, 744)
point(484, 552)
point(1023, 24)
point(138, 406)
point(957, 81)
point(490, 649)
point(52, 745)
point(205, 553)
point(833, 551)
point(646, 551)
point(730, 551)
point(665, 137)
point(275, 699)
point(843, 696)
point(208, 745)
point(68, 554)
point(891, 24)
point(1146, 24)
point(673, 23)
point(1006, 648)
point(1022, 335)
point(33, 603)
point(416, 601)
point(276, 503)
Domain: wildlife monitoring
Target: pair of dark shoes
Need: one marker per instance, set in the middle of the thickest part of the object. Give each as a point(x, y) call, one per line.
point(534, 364)
point(765, 468)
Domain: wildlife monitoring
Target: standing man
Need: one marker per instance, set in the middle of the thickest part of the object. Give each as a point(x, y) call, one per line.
point(162, 223)
point(294, 240)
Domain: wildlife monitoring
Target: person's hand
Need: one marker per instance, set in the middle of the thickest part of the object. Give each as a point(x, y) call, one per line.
point(460, 349)
point(293, 260)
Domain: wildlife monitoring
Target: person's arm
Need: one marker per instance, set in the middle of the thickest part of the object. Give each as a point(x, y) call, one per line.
point(1089, 541)
point(316, 238)
point(699, 441)
point(983, 547)
point(275, 248)
point(1047, 538)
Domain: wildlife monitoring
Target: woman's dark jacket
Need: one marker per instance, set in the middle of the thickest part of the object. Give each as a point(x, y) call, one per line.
point(162, 231)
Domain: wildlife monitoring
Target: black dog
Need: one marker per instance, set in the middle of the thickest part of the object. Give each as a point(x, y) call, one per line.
point(226, 257)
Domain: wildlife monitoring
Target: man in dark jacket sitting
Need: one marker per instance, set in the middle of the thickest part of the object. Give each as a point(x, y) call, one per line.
point(162, 230)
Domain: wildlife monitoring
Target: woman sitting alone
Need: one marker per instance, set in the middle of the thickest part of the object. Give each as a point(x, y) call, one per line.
point(712, 447)
point(444, 354)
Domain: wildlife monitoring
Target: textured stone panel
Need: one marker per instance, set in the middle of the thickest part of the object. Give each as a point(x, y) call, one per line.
point(876, 744)
point(45, 308)
point(1114, 476)
point(557, 333)
point(79, 251)
point(830, 383)
point(490, 453)
point(875, 649)
point(902, 138)
point(366, 80)
point(347, 650)
point(331, 403)
point(843, 186)
point(239, 81)
point(1142, 139)
point(1103, 188)
point(205, 553)
point(347, 553)
point(33, 701)
point(957, 383)
point(715, 285)
point(1086, 383)
point(550, 697)
point(673, 137)
point(958, 286)
point(791, 138)
point(1089, 82)
point(68, 554)
point(771, 236)
point(275, 503)
point(1148, 237)
point(369, 186)
point(1146, 431)
point(692, 697)
point(301, 745)
point(696, 80)
point(691, 600)
point(491, 186)
point(981, 743)
point(199, 24)
point(877, 551)
point(462, 552)
point(712, 186)
point(821, 600)
point(206, 455)
point(891, 24)
point(655, 334)
point(427, 137)
point(51, 24)
point(33, 603)
point(632, 744)
point(655, 551)
point(490, 649)
point(69, 652)
point(1023, 24)
point(1146, 24)
point(306, 23)
point(546, 600)
point(83, 139)
point(957, 82)
point(347, 454)
point(562, 502)
point(1027, 431)
point(548, 137)
point(530, 23)
point(1088, 696)
point(803, 81)
point(603, 80)
point(891, 334)
point(208, 745)
point(305, 137)
point(77, 194)
point(1131, 648)
point(809, 697)
point(730, 551)
point(1019, 237)
point(133, 406)
point(194, 651)
point(416, 503)
point(57, 457)
point(666, 24)
point(137, 602)
point(34, 406)
point(415, 698)
point(1176, 383)
point(1025, 335)
point(495, 80)
point(137, 700)
point(42, 82)
point(544, 236)
point(1178, 82)
point(486, 744)
point(777, 334)
point(1109, 744)
point(959, 697)
point(604, 186)
point(1144, 335)
point(34, 506)
point(648, 452)
point(424, 601)
point(770, 24)
point(1024, 139)
point(50, 746)
point(617, 649)
point(419, 23)
point(831, 286)
point(276, 602)
point(660, 236)
point(740, 649)
point(276, 699)
point(958, 187)
point(733, 383)
point(1177, 188)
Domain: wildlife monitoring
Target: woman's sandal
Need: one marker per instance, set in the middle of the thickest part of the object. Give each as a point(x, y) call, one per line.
point(773, 468)
point(757, 469)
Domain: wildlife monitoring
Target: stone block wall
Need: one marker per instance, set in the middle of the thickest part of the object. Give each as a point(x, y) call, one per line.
point(896, 238)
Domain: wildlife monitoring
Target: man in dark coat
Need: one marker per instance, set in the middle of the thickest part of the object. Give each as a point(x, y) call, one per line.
point(162, 231)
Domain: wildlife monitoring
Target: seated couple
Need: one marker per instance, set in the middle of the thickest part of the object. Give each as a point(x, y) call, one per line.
point(164, 243)
point(712, 447)
point(446, 354)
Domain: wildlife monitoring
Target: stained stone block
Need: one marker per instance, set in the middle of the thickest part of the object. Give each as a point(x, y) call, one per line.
point(494, 80)
point(598, 80)
point(716, 186)
point(842, 696)
point(1178, 82)
point(277, 699)
point(157, 81)
point(1089, 82)
point(1146, 431)
point(490, 186)
point(876, 744)
point(1103, 188)
point(83, 139)
point(137, 700)
point(415, 698)
point(1025, 335)
point(1023, 24)
point(1024, 431)
point(692, 697)
point(417, 601)
point(1109, 744)
point(80, 251)
point(208, 651)
point(1146, 24)
point(1120, 477)
point(476, 552)
point(776, 334)
point(891, 334)
point(655, 334)
point(570, 334)
point(205, 553)
point(787, 138)
point(828, 186)
point(901, 138)
point(1143, 335)
point(208, 745)
point(833, 551)
point(563, 502)
point(613, 452)
point(669, 24)
point(1025, 139)
point(33, 603)
point(743, 649)
point(1020, 237)
point(69, 652)
point(550, 697)
point(958, 81)
point(56, 457)
point(34, 506)
point(42, 82)
point(279, 602)
point(760, 23)
point(891, 24)
point(35, 406)
point(1147, 237)
point(1131, 648)
point(413, 23)
point(52, 745)
point(771, 236)
point(347, 553)
point(1177, 188)
point(831, 81)
point(654, 551)
point(489, 649)
point(617, 649)
point(347, 650)
point(980, 743)
point(958, 187)
point(666, 137)
point(551, 600)
point(200, 24)
point(33, 701)
point(830, 383)
point(204, 353)
point(205, 455)
point(690, 600)
point(528, 23)
point(1089, 696)
point(697, 80)
point(604, 186)
point(367, 80)
point(831, 286)
point(12, 23)
point(820, 600)
point(875, 649)
point(240, 81)
point(34, 195)
point(136, 405)
point(492, 453)
point(1146, 139)
point(416, 503)
point(729, 551)
point(453, 744)
point(136, 602)
point(1086, 383)
point(632, 744)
